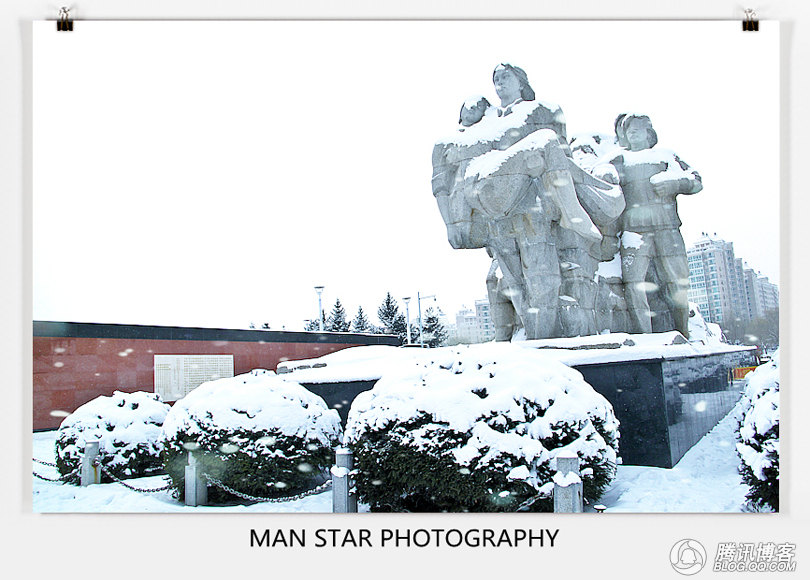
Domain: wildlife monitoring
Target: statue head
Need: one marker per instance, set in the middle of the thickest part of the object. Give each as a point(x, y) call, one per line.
point(511, 83)
point(617, 128)
point(638, 132)
point(473, 110)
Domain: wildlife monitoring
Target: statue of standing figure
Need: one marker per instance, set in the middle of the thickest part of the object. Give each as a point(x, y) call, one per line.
point(651, 178)
point(505, 181)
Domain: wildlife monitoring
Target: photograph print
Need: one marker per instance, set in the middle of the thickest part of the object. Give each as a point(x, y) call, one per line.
point(406, 266)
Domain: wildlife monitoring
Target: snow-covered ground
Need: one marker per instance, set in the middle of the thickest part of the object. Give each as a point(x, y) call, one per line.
point(705, 480)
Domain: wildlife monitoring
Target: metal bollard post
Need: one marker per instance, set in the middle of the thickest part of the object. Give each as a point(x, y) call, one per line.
point(343, 501)
point(196, 490)
point(91, 470)
point(567, 485)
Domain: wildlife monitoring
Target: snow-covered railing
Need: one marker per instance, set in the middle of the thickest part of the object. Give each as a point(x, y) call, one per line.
point(62, 478)
point(90, 470)
point(343, 498)
point(197, 482)
point(567, 492)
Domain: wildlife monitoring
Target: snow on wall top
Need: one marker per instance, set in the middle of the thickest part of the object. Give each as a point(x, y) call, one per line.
point(369, 363)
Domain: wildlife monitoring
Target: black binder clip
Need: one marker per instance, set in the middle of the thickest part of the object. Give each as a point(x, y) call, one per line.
point(750, 24)
point(64, 24)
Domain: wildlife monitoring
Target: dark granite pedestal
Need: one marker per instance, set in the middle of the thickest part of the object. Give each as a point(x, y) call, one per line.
point(664, 405)
point(339, 395)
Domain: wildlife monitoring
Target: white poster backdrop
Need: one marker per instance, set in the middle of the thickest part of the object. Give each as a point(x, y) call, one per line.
point(621, 546)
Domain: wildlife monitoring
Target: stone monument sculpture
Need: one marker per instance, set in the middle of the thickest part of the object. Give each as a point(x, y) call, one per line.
point(600, 270)
point(505, 181)
point(651, 178)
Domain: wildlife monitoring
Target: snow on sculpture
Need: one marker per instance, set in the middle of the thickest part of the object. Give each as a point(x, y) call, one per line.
point(584, 239)
point(651, 178)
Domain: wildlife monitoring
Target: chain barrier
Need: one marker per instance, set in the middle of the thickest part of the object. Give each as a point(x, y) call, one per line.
point(62, 478)
point(118, 480)
point(217, 483)
point(531, 500)
point(76, 471)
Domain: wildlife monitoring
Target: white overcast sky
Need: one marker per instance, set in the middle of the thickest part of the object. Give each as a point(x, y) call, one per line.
point(213, 173)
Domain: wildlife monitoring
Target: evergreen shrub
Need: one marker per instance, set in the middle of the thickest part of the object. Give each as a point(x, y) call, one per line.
point(255, 433)
point(758, 436)
point(478, 428)
point(127, 427)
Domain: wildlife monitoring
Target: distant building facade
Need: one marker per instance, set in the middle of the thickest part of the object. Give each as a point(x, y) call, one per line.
point(723, 288)
point(472, 325)
point(486, 327)
point(763, 295)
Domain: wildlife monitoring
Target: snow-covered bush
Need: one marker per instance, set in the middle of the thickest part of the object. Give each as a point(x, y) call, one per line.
point(255, 432)
point(127, 427)
point(478, 428)
point(758, 436)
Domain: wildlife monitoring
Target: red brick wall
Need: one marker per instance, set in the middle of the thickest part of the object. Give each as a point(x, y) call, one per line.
point(68, 372)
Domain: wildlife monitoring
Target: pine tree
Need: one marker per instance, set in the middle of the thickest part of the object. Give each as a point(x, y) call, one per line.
point(433, 332)
point(392, 321)
point(313, 325)
point(336, 321)
point(361, 323)
point(414, 333)
point(387, 313)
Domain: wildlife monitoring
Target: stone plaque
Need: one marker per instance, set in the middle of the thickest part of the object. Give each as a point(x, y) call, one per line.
point(176, 375)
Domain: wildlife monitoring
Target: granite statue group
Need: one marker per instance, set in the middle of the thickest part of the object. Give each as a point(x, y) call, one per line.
point(584, 235)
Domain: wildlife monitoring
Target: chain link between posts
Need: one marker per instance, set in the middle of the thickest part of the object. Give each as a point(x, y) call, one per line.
point(118, 480)
point(211, 480)
point(62, 478)
point(531, 500)
point(76, 471)
point(217, 483)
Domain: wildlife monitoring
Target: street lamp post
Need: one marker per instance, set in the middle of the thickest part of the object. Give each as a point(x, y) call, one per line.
point(419, 304)
point(319, 290)
point(407, 300)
